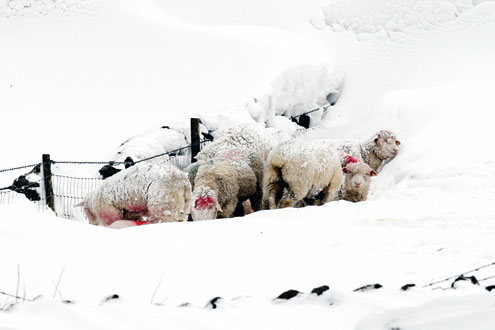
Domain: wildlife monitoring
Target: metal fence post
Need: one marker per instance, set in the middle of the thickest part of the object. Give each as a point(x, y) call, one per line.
point(195, 138)
point(47, 181)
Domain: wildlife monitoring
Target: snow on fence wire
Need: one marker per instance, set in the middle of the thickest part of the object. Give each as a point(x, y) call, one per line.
point(66, 191)
point(304, 119)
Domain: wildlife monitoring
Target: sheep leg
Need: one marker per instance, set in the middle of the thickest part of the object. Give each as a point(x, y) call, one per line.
point(227, 209)
point(331, 190)
point(273, 187)
point(91, 216)
point(248, 209)
point(109, 215)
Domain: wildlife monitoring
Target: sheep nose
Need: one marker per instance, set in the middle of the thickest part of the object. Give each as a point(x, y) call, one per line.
point(357, 184)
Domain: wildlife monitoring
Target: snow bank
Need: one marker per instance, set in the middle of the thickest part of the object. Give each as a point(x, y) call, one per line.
point(36, 8)
point(385, 18)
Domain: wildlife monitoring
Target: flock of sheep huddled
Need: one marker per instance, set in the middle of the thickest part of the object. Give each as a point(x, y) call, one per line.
point(242, 171)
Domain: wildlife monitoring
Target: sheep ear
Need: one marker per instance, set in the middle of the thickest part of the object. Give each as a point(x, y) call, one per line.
point(373, 173)
point(397, 142)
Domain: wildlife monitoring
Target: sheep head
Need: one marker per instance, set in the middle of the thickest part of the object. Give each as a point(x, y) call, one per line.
point(205, 205)
point(386, 144)
point(358, 176)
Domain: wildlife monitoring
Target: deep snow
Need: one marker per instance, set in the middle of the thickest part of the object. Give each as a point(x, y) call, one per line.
point(429, 215)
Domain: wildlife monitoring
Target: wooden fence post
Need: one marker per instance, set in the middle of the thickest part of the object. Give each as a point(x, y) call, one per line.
point(47, 181)
point(195, 138)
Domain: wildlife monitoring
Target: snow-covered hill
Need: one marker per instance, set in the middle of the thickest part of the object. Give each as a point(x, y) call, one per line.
point(85, 80)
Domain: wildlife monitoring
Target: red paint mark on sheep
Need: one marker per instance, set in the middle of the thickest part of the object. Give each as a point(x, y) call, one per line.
point(140, 223)
point(109, 217)
point(350, 159)
point(138, 209)
point(202, 203)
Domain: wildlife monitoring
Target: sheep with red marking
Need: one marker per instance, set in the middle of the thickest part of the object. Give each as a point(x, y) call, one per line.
point(225, 182)
point(145, 192)
point(308, 171)
point(376, 151)
point(357, 179)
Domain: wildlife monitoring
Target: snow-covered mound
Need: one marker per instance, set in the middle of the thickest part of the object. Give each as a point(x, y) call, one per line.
point(429, 215)
point(385, 18)
point(36, 8)
point(114, 69)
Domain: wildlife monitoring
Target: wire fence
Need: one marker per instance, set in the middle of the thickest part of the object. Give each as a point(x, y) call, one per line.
point(69, 190)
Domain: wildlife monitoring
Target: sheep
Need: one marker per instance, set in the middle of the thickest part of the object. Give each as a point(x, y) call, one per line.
point(225, 182)
point(247, 137)
point(377, 151)
point(151, 192)
point(356, 182)
point(310, 171)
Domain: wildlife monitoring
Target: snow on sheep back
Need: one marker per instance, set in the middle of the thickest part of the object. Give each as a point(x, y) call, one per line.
point(308, 170)
point(150, 192)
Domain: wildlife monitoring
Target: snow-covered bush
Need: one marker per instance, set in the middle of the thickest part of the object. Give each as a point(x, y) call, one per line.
point(304, 88)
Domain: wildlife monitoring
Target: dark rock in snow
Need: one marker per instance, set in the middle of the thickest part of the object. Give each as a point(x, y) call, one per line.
point(112, 297)
point(490, 287)
point(186, 304)
point(472, 279)
point(407, 286)
point(213, 302)
point(369, 287)
point(320, 290)
point(289, 294)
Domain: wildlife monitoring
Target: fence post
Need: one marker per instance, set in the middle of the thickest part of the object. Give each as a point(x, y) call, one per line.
point(195, 138)
point(47, 181)
point(304, 121)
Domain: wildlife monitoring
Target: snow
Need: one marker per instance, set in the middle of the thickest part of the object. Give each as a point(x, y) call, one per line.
point(79, 81)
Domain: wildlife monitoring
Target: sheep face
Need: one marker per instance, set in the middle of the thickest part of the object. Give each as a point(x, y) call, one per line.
point(205, 206)
point(358, 176)
point(387, 144)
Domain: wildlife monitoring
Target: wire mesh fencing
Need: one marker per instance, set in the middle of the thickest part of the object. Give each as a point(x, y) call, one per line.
point(70, 190)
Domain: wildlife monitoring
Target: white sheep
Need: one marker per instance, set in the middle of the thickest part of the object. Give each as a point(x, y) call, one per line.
point(377, 151)
point(357, 180)
point(151, 192)
point(308, 170)
point(225, 182)
point(248, 137)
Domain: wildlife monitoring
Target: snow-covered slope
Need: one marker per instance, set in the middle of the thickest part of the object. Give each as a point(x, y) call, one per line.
point(429, 216)
point(96, 72)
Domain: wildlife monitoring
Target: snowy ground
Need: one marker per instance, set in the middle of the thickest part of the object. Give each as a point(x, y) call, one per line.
point(97, 72)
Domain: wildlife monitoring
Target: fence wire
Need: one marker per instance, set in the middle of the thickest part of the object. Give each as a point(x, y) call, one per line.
point(69, 191)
